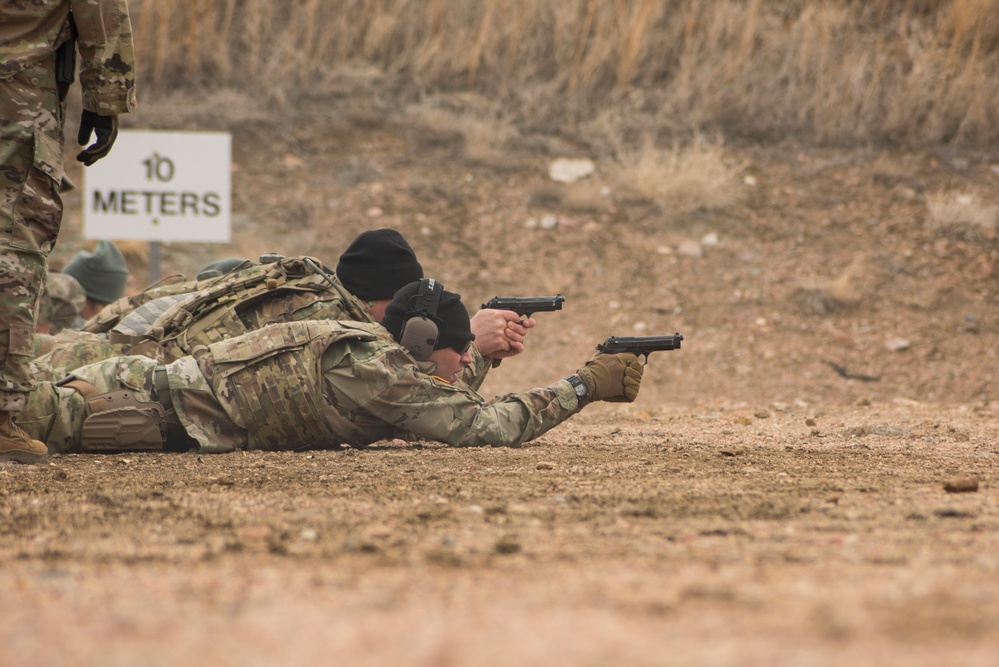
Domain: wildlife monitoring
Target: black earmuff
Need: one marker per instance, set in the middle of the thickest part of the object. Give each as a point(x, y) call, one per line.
point(421, 328)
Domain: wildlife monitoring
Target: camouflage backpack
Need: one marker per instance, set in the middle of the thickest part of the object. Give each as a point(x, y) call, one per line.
point(286, 290)
point(113, 313)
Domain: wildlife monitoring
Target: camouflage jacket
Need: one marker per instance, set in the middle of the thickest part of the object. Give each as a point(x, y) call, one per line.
point(318, 384)
point(32, 30)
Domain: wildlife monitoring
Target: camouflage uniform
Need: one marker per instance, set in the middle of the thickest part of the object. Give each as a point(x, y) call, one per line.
point(174, 324)
point(61, 303)
point(32, 110)
point(61, 354)
point(302, 385)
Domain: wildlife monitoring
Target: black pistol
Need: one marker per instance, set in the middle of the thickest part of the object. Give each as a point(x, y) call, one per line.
point(644, 345)
point(525, 305)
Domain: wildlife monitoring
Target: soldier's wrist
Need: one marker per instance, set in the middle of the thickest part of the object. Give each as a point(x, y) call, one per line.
point(580, 387)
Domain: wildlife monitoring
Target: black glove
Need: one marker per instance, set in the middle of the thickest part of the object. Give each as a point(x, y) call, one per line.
point(612, 377)
point(106, 129)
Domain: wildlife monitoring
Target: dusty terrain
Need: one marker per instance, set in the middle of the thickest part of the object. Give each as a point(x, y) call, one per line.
point(811, 480)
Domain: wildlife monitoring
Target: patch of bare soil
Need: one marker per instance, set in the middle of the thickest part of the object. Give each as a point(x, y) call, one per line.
point(812, 479)
point(715, 538)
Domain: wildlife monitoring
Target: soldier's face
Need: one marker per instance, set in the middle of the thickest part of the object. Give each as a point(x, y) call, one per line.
point(450, 362)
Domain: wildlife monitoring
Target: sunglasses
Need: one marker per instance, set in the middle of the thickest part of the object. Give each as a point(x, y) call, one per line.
point(463, 347)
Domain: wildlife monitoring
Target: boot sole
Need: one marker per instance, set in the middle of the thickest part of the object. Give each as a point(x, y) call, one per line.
point(27, 458)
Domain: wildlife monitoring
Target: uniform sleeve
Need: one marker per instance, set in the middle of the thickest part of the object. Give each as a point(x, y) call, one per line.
point(107, 59)
point(394, 390)
point(474, 374)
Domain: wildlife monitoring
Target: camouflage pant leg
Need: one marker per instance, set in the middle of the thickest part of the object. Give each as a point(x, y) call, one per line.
point(73, 350)
point(30, 215)
point(203, 416)
point(55, 414)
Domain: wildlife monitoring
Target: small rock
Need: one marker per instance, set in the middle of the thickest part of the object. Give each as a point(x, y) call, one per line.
point(544, 465)
point(570, 170)
point(809, 422)
point(962, 484)
point(897, 344)
point(549, 222)
point(507, 545)
point(378, 532)
point(690, 249)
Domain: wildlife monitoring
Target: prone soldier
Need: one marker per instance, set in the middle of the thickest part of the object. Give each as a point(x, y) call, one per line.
point(369, 271)
point(316, 384)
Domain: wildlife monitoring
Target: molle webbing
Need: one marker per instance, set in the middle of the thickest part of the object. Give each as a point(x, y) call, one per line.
point(273, 379)
point(237, 303)
point(113, 313)
point(140, 324)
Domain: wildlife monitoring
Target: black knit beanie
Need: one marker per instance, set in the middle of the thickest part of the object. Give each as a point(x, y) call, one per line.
point(377, 264)
point(454, 326)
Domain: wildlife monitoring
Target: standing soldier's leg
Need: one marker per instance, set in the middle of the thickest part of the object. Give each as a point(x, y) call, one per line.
point(30, 215)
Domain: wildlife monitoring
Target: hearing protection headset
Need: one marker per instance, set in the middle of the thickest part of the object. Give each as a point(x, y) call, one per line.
point(421, 328)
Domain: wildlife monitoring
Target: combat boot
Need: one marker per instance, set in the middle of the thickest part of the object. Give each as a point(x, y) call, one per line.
point(16, 445)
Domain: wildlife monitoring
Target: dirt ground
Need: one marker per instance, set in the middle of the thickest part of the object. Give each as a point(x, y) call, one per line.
point(811, 480)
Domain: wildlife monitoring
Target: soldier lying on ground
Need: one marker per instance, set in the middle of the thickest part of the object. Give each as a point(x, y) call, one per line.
point(375, 265)
point(316, 384)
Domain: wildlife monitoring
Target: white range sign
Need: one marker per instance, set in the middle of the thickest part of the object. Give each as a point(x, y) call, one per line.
point(161, 186)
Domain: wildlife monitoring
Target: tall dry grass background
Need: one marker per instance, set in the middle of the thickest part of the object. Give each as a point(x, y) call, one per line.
point(902, 72)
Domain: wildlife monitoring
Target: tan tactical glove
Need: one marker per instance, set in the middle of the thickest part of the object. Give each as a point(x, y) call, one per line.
point(612, 377)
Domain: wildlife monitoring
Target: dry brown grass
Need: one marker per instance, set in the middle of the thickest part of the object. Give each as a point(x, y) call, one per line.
point(914, 73)
point(962, 214)
point(683, 179)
